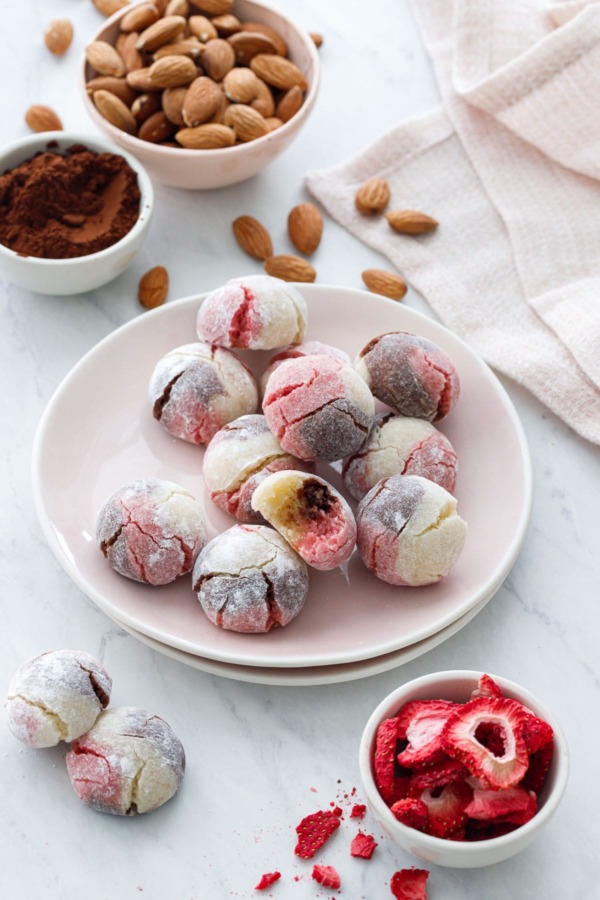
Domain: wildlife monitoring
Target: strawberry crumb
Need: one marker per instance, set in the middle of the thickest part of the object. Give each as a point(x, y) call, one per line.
point(267, 880)
point(358, 811)
point(363, 845)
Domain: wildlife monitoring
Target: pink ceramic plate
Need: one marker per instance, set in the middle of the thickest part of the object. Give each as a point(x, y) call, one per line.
point(98, 432)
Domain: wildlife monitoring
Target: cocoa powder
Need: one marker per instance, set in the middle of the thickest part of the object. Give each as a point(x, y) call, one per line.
point(63, 205)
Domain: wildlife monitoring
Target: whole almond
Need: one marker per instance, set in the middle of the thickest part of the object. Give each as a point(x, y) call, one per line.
point(161, 6)
point(172, 104)
point(290, 268)
point(389, 284)
point(202, 28)
point(241, 85)
point(42, 118)
point(109, 7)
point(259, 28)
point(114, 111)
point(172, 71)
point(277, 71)
point(247, 122)
point(272, 123)
point(117, 86)
point(411, 221)
point(218, 58)
point(372, 196)
point(264, 102)
point(157, 128)
point(289, 104)
point(253, 237)
point(317, 38)
point(153, 287)
point(130, 56)
point(58, 36)
point(226, 25)
point(247, 44)
point(189, 47)
point(139, 17)
point(305, 227)
point(177, 8)
point(145, 105)
point(214, 7)
point(206, 137)
point(139, 80)
point(104, 59)
point(161, 32)
point(219, 114)
point(202, 100)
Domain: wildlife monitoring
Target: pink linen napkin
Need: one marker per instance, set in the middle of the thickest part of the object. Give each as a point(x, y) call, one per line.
point(510, 167)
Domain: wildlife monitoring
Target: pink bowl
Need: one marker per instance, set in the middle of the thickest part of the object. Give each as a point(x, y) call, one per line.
point(206, 169)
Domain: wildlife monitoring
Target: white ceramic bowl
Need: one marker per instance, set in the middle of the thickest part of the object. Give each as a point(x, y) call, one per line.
point(457, 685)
point(206, 169)
point(83, 273)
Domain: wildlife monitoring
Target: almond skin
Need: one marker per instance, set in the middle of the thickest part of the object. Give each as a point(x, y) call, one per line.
point(214, 7)
point(289, 104)
point(211, 136)
point(279, 72)
point(153, 287)
point(316, 38)
point(58, 36)
point(177, 8)
point(247, 122)
point(172, 101)
point(241, 85)
point(259, 28)
point(139, 80)
point(411, 221)
point(226, 25)
point(264, 102)
point(157, 128)
point(305, 227)
point(109, 7)
point(218, 58)
point(131, 57)
point(189, 47)
point(247, 44)
point(42, 118)
point(388, 284)
point(372, 196)
point(290, 268)
point(140, 17)
point(202, 101)
point(114, 111)
point(161, 32)
point(202, 28)
point(145, 105)
point(172, 71)
point(253, 237)
point(104, 59)
point(117, 86)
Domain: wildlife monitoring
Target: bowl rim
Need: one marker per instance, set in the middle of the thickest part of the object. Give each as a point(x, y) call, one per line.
point(402, 694)
point(132, 142)
point(38, 143)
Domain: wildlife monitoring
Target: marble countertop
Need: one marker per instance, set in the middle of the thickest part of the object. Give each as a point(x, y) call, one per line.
point(261, 757)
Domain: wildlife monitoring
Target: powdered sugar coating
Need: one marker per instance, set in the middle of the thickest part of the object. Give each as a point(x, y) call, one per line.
point(249, 579)
point(56, 696)
point(400, 445)
point(318, 408)
point(410, 374)
point(256, 312)
point(237, 459)
point(151, 530)
point(197, 388)
point(129, 763)
point(310, 514)
point(308, 348)
point(409, 530)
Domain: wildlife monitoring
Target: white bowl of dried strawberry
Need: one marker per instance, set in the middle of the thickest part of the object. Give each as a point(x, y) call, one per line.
point(463, 769)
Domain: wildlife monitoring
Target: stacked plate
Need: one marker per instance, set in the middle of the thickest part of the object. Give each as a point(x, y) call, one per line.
point(98, 432)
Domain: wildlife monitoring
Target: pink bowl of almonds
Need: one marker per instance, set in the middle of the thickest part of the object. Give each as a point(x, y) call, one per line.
point(205, 94)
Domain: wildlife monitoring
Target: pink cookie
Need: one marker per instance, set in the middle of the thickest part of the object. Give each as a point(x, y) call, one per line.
point(237, 459)
point(249, 579)
point(256, 312)
point(198, 388)
point(410, 374)
point(310, 514)
point(151, 530)
point(309, 348)
point(318, 407)
point(56, 696)
point(129, 763)
point(399, 445)
point(409, 531)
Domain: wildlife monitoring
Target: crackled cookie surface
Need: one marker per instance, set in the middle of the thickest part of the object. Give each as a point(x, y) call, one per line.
point(399, 445)
point(308, 348)
point(409, 530)
point(256, 312)
point(56, 696)
point(197, 388)
point(129, 763)
point(318, 408)
point(410, 374)
point(249, 579)
point(237, 459)
point(151, 530)
point(310, 514)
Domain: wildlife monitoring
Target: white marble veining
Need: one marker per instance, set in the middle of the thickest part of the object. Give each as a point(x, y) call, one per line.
point(255, 752)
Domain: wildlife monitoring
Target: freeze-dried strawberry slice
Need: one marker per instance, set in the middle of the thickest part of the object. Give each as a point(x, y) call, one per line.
point(409, 884)
point(313, 831)
point(437, 776)
point(327, 876)
point(513, 805)
point(536, 733)
point(390, 786)
point(267, 880)
point(539, 764)
point(363, 845)
point(446, 807)
point(423, 723)
point(459, 740)
point(412, 812)
point(491, 736)
point(486, 687)
point(358, 811)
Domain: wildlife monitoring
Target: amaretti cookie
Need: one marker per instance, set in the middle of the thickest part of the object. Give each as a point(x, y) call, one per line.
point(310, 514)
point(56, 696)
point(151, 530)
point(256, 312)
point(129, 763)
point(249, 579)
point(409, 530)
point(308, 348)
point(399, 445)
point(197, 388)
point(410, 374)
point(237, 459)
point(318, 408)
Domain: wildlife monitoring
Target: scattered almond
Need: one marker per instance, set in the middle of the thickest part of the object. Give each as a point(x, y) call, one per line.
point(259, 28)
point(372, 196)
point(109, 7)
point(379, 281)
point(114, 111)
point(211, 136)
point(104, 59)
point(410, 221)
point(218, 58)
point(247, 122)
point(253, 237)
point(289, 104)
point(290, 268)
point(202, 28)
point(161, 32)
point(153, 287)
point(58, 36)
point(214, 7)
point(172, 71)
point(305, 227)
point(278, 71)
point(247, 44)
point(317, 38)
point(139, 17)
point(42, 118)
point(226, 25)
point(145, 105)
point(241, 85)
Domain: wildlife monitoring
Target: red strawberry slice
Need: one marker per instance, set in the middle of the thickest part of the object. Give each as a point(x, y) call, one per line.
point(446, 807)
point(412, 812)
point(327, 876)
point(487, 687)
point(536, 733)
point(491, 736)
point(513, 805)
point(358, 811)
point(423, 723)
point(267, 880)
point(363, 845)
point(409, 884)
point(459, 740)
point(437, 776)
point(539, 764)
point(313, 831)
point(390, 786)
